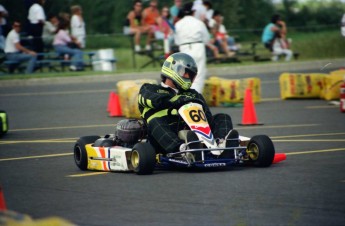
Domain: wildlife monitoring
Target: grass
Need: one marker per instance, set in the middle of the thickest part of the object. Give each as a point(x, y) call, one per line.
point(310, 45)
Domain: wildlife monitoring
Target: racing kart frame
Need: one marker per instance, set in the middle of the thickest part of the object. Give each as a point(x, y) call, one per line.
point(128, 150)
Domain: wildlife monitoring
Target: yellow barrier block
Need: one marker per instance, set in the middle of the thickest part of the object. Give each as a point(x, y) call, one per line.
point(301, 85)
point(128, 92)
point(331, 85)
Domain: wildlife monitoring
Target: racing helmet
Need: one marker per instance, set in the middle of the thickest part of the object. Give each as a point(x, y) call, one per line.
point(175, 66)
point(130, 131)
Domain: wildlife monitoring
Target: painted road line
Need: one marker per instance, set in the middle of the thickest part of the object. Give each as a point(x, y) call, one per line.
point(62, 127)
point(55, 93)
point(36, 157)
point(87, 174)
point(277, 126)
point(308, 135)
point(270, 99)
point(36, 141)
point(320, 107)
point(312, 140)
point(317, 151)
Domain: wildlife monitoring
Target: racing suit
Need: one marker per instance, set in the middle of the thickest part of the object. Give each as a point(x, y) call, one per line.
point(158, 104)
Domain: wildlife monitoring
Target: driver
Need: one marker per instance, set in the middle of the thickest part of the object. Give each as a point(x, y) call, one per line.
point(158, 106)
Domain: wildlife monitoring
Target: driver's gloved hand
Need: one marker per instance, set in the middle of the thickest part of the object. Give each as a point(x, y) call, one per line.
point(178, 100)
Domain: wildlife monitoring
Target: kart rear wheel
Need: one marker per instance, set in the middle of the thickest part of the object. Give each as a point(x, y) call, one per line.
point(260, 151)
point(80, 154)
point(143, 158)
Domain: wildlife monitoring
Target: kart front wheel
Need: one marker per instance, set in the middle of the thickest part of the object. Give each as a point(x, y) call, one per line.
point(260, 151)
point(143, 158)
point(80, 154)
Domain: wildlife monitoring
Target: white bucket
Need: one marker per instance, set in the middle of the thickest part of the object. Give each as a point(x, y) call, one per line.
point(104, 60)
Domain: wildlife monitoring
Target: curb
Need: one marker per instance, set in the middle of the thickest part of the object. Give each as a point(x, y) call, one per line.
point(261, 68)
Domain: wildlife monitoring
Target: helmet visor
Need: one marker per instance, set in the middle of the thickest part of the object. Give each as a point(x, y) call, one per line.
point(182, 70)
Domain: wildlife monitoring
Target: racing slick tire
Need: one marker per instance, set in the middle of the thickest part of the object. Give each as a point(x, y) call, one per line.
point(143, 158)
point(260, 150)
point(80, 154)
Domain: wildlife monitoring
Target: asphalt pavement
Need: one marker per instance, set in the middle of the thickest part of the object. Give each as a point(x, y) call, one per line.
point(39, 177)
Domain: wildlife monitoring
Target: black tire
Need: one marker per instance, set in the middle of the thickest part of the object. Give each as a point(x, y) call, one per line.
point(261, 151)
point(143, 158)
point(80, 154)
point(3, 123)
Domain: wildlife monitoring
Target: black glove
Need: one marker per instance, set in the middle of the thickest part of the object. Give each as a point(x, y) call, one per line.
point(179, 100)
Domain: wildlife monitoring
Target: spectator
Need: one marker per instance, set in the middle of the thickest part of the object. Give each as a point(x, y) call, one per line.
point(279, 47)
point(274, 38)
point(174, 10)
point(220, 34)
point(37, 18)
point(134, 26)
point(200, 10)
point(49, 31)
point(209, 11)
point(165, 28)
point(3, 27)
point(342, 29)
point(191, 35)
point(271, 30)
point(16, 52)
point(61, 43)
point(150, 15)
point(78, 25)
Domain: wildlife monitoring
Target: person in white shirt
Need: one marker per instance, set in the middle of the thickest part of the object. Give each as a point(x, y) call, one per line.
point(191, 35)
point(37, 18)
point(16, 52)
point(200, 10)
point(3, 15)
point(78, 25)
point(342, 29)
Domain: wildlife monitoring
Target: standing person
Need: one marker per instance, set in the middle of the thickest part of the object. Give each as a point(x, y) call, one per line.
point(191, 35)
point(78, 25)
point(133, 25)
point(174, 10)
point(37, 18)
point(342, 29)
point(200, 10)
point(3, 26)
point(156, 101)
point(16, 52)
point(61, 41)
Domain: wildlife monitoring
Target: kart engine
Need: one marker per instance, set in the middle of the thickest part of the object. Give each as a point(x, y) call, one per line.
point(130, 131)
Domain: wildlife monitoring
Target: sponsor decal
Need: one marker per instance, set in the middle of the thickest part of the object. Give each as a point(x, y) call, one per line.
point(214, 164)
point(178, 161)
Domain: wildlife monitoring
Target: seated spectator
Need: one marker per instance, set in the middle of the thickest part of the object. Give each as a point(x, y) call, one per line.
point(3, 25)
point(63, 41)
point(165, 28)
point(150, 15)
point(274, 38)
point(280, 47)
point(220, 35)
point(16, 52)
point(133, 25)
point(275, 26)
point(49, 30)
point(174, 10)
point(78, 25)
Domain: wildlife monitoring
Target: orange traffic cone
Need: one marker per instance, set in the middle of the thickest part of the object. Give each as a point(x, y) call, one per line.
point(110, 101)
point(115, 107)
point(2, 201)
point(249, 115)
point(278, 157)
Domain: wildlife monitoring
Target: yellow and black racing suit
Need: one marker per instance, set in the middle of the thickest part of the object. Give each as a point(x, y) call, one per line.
point(156, 104)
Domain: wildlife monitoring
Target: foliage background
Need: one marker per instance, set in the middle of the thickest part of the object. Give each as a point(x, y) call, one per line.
point(108, 16)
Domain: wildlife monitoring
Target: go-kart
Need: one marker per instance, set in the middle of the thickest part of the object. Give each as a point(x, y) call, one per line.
point(129, 150)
